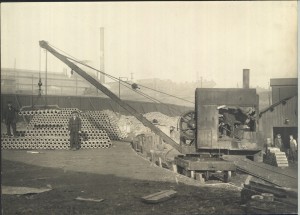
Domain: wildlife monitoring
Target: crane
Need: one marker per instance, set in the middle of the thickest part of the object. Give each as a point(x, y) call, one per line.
point(200, 146)
point(99, 86)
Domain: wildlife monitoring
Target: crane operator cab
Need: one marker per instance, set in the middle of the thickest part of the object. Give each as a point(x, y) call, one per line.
point(224, 122)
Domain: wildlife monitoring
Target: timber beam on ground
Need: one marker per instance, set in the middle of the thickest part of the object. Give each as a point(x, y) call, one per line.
point(268, 173)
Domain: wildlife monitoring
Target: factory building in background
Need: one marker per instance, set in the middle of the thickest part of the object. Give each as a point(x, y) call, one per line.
point(282, 116)
point(283, 88)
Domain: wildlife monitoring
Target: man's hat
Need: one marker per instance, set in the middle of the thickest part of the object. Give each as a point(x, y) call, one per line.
point(75, 111)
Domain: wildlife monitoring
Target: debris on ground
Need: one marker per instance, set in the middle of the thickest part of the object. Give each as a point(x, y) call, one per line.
point(261, 198)
point(131, 124)
point(89, 199)
point(159, 197)
point(10, 190)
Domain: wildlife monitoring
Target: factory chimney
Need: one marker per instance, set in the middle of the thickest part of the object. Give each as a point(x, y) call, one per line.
point(102, 77)
point(246, 79)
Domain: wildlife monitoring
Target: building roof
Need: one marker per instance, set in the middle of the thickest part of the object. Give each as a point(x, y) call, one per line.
point(283, 82)
point(283, 101)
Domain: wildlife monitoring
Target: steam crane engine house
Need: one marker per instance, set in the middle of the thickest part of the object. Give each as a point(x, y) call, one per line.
point(224, 122)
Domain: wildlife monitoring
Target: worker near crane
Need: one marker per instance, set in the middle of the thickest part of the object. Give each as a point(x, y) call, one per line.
point(278, 143)
point(74, 130)
point(10, 119)
point(293, 149)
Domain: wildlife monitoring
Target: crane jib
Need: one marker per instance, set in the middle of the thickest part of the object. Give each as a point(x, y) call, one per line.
point(111, 95)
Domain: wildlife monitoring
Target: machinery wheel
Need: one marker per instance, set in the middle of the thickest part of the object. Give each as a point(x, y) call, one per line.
point(227, 176)
point(187, 125)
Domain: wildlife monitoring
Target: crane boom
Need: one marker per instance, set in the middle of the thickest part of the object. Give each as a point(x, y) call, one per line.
point(111, 95)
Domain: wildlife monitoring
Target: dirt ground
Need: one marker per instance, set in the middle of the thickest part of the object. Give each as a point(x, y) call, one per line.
point(118, 175)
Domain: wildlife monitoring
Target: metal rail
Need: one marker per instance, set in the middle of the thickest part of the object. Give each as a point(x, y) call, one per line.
point(111, 95)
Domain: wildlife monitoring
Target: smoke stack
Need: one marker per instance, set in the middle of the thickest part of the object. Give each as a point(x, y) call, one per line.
point(246, 79)
point(102, 77)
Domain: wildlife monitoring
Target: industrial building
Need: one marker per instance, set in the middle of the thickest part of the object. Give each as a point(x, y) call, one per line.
point(283, 88)
point(282, 116)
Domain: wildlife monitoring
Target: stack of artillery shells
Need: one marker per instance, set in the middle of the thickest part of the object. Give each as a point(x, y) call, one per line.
point(48, 129)
point(34, 112)
point(107, 121)
point(275, 157)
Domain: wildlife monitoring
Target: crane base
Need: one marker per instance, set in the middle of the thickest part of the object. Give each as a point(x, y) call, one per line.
point(192, 165)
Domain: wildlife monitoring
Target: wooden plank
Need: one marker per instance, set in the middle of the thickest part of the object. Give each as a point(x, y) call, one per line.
point(88, 199)
point(288, 191)
point(159, 196)
point(261, 189)
point(264, 171)
point(10, 190)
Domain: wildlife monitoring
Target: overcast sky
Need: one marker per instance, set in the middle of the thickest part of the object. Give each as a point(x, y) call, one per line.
point(166, 40)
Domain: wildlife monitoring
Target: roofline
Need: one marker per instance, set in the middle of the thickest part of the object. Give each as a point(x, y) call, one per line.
point(283, 82)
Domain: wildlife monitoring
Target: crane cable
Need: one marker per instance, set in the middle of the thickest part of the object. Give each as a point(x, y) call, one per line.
point(124, 82)
point(79, 62)
point(117, 79)
point(143, 94)
point(166, 94)
point(40, 68)
point(40, 63)
point(153, 99)
point(114, 78)
point(40, 79)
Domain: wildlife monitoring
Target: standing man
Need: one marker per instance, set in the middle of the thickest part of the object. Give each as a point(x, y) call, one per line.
point(10, 119)
point(293, 148)
point(74, 130)
point(278, 142)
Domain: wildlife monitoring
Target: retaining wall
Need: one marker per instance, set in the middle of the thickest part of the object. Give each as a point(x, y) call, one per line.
point(92, 103)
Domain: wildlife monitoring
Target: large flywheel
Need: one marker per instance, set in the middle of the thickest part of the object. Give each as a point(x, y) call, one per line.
point(187, 126)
